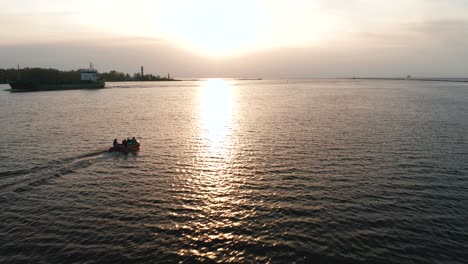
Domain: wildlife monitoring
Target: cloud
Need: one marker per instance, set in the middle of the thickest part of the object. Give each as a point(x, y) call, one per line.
point(417, 52)
point(424, 43)
point(447, 32)
point(428, 48)
point(122, 54)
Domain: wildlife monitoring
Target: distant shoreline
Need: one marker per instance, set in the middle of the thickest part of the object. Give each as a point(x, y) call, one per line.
point(171, 80)
point(455, 80)
point(462, 80)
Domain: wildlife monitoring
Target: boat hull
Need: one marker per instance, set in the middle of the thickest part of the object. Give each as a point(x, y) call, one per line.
point(128, 148)
point(21, 86)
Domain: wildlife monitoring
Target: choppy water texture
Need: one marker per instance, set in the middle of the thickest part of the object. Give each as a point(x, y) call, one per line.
point(310, 171)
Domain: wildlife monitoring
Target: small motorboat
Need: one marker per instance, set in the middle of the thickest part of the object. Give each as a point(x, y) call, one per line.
point(131, 144)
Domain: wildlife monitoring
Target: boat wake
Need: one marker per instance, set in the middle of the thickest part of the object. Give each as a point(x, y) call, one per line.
point(25, 179)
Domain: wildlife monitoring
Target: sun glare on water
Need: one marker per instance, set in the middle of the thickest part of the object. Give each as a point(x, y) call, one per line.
point(216, 105)
point(216, 192)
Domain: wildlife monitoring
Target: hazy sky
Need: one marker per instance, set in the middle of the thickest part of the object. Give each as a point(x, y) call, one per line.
point(263, 38)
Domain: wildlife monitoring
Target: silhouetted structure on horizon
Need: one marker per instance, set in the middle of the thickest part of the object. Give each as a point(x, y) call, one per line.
point(57, 76)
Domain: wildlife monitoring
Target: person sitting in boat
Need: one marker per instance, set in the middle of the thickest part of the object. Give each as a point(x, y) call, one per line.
point(129, 141)
point(115, 143)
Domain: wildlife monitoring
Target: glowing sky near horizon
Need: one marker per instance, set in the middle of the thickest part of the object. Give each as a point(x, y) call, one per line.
point(214, 38)
point(218, 28)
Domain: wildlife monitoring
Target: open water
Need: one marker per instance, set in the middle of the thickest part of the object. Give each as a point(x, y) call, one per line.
point(307, 171)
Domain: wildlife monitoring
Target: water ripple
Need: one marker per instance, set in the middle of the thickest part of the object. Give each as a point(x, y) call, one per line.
point(322, 171)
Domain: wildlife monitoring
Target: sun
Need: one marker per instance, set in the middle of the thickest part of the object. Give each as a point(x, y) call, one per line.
point(212, 28)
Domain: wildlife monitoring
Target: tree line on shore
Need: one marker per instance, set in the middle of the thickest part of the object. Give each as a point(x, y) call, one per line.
point(115, 76)
point(57, 76)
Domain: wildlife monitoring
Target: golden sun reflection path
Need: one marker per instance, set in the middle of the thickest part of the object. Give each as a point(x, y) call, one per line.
point(216, 114)
point(214, 187)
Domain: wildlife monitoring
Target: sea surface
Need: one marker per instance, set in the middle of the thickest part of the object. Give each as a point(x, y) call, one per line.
point(279, 171)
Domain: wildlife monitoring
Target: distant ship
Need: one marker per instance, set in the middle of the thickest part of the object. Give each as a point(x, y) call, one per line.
point(89, 79)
